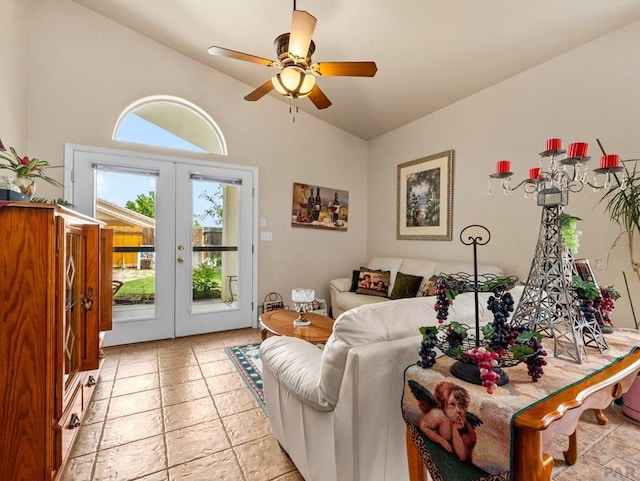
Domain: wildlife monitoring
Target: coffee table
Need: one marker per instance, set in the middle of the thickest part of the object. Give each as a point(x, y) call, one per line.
point(280, 323)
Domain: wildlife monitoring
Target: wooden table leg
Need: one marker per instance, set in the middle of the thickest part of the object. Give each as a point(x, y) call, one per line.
point(414, 460)
point(529, 462)
point(601, 417)
point(571, 454)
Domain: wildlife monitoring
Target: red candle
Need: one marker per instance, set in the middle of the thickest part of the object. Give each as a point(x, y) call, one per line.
point(534, 173)
point(503, 166)
point(577, 149)
point(553, 144)
point(610, 160)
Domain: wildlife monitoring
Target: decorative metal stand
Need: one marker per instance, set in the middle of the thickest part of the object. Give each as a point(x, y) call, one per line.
point(549, 303)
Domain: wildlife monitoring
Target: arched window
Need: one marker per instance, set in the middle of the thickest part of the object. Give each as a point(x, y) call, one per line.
point(165, 121)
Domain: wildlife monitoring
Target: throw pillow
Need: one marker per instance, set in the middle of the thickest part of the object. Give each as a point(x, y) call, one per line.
point(429, 288)
point(355, 277)
point(373, 283)
point(405, 285)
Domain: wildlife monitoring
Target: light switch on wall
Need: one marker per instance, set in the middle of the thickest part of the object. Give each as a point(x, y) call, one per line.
point(266, 236)
point(263, 222)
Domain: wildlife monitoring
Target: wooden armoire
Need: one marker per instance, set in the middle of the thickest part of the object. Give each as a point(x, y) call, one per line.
point(55, 300)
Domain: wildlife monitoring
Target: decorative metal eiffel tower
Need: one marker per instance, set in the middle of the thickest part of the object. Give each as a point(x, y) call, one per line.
point(548, 303)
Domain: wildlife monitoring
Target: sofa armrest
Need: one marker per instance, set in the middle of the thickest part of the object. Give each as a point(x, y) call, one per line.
point(342, 284)
point(295, 364)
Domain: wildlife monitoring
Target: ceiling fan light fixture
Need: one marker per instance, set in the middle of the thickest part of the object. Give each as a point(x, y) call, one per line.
point(294, 82)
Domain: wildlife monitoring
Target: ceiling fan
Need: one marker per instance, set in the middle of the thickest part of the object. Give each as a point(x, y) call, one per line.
point(297, 78)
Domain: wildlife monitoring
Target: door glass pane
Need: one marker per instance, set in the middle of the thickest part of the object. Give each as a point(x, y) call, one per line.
point(125, 201)
point(214, 258)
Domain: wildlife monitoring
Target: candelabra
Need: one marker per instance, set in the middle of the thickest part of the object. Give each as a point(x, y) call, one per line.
point(301, 299)
point(548, 302)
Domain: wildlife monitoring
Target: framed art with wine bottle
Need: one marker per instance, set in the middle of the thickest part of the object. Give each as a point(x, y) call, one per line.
point(319, 207)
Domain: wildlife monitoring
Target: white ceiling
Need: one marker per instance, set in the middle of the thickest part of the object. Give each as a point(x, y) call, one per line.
point(429, 53)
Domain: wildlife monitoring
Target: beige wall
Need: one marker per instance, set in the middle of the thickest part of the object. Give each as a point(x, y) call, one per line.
point(13, 75)
point(85, 69)
point(589, 93)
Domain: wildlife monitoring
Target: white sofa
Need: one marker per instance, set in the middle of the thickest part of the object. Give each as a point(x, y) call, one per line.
point(337, 411)
point(343, 300)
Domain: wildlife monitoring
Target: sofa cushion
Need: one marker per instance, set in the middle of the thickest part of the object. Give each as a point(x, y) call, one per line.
point(429, 287)
point(355, 276)
point(406, 285)
point(391, 264)
point(373, 282)
point(349, 300)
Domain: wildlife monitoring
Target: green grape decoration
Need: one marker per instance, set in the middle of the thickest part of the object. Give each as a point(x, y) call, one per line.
point(569, 232)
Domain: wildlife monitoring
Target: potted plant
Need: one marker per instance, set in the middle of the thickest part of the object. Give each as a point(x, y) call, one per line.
point(623, 206)
point(622, 202)
point(25, 170)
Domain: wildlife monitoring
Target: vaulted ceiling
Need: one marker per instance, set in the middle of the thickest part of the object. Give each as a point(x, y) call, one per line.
point(429, 53)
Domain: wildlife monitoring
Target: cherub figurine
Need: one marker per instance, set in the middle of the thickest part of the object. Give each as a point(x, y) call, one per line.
point(445, 419)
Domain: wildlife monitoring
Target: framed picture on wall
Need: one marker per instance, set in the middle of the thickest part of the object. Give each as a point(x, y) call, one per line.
point(319, 207)
point(425, 198)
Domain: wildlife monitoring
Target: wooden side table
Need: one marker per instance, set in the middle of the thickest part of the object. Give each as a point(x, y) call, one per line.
point(567, 391)
point(280, 323)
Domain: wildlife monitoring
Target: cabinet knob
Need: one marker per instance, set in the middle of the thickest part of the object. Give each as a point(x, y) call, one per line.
point(181, 260)
point(91, 381)
point(74, 422)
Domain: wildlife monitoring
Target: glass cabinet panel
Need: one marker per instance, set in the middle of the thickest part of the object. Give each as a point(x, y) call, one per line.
point(73, 304)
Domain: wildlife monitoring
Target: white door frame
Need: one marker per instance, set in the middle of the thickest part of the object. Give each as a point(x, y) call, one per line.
point(71, 196)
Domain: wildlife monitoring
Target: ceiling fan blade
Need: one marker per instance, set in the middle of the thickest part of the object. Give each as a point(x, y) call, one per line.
point(318, 98)
point(345, 69)
point(225, 52)
point(260, 92)
point(302, 27)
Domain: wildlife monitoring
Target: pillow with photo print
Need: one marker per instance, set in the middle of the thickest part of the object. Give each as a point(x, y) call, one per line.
point(429, 288)
point(373, 283)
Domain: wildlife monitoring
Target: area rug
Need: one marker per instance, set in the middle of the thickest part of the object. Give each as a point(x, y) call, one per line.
point(247, 361)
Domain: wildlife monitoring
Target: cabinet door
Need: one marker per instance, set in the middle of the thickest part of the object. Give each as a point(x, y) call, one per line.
point(106, 279)
point(90, 298)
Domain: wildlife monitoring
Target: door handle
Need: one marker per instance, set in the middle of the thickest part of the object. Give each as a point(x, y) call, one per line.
point(181, 260)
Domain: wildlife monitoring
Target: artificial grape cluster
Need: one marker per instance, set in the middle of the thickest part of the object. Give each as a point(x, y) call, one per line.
point(608, 297)
point(442, 301)
point(536, 360)
point(454, 337)
point(588, 309)
point(486, 361)
point(570, 235)
point(427, 352)
point(502, 334)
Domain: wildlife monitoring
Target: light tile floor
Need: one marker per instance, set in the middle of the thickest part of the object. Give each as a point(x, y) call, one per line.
point(178, 410)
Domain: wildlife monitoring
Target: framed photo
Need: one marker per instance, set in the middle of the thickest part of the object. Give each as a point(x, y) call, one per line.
point(425, 198)
point(584, 271)
point(319, 207)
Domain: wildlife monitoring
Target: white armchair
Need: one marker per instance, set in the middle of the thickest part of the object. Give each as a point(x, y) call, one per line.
point(337, 411)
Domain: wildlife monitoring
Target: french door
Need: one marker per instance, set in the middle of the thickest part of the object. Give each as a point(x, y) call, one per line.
point(183, 240)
